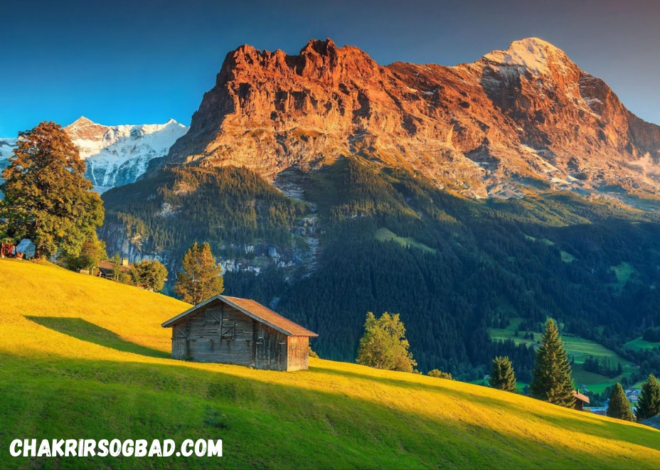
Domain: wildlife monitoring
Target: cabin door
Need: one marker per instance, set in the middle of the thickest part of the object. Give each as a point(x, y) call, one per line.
point(261, 357)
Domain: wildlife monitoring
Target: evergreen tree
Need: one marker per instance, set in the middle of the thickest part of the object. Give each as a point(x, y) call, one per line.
point(149, 275)
point(619, 406)
point(47, 198)
point(502, 376)
point(648, 404)
point(92, 251)
point(551, 377)
point(200, 276)
point(384, 344)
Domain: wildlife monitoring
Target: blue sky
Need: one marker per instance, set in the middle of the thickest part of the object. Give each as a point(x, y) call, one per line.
point(136, 62)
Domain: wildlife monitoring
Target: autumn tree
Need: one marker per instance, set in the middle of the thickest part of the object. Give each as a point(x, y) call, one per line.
point(46, 196)
point(439, 374)
point(149, 275)
point(648, 403)
point(551, 376)
point(200, 276)
point(384, 344)
point(619, 405)
point(502, 376)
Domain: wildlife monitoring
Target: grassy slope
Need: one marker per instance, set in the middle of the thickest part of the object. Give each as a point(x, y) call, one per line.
point(91, 362)
point(385, 235)
point(580, 349)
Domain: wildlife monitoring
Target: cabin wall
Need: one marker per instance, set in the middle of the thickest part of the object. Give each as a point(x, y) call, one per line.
point(271, 348)
point(223, 334)
point(298, 352)
point(219, 333)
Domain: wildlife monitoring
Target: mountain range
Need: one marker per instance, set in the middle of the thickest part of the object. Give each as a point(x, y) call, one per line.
point(517, 119)
point(482, 196)
point(115, 155)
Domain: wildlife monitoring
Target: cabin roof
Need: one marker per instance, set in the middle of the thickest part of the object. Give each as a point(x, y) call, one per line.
point(108, 265)
point(581, 397)
point(252, 309)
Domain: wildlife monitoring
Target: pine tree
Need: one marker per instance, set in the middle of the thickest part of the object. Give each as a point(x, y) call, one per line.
point(47, 198)
point(200, 276)
point(648, 404)
point(384, 344)
point(551, 377)
point(502, 376)
point(619, 405)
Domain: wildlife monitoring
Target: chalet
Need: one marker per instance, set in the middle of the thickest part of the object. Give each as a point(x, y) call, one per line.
point(106, 268)
point(239, 331)
point(580, 400)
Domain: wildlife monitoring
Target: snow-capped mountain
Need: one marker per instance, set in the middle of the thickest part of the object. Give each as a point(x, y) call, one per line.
point(6, 148)
point(115, 155)
point(118, 155)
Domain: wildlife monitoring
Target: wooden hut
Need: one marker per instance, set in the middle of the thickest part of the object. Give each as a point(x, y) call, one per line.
point(231, 330)
point(580, 400)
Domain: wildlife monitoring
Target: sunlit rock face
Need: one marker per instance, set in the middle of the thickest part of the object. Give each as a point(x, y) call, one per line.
point(514, 120)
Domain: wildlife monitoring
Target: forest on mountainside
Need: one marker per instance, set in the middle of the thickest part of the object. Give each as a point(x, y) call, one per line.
point(474, 264)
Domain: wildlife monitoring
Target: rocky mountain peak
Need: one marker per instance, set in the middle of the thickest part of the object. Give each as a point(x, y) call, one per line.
point(525, 117)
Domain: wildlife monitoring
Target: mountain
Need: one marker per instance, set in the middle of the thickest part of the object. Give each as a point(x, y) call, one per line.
point(96, 363)
point(474, 200)
point(115, 155)
point(523, 118)
point(118, 155)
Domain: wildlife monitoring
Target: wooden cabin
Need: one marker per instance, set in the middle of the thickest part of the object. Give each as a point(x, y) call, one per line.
point(231, 330)
point(107, 268)
point(580, 400)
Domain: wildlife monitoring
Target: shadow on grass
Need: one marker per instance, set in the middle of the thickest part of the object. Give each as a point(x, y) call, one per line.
point(86, 331)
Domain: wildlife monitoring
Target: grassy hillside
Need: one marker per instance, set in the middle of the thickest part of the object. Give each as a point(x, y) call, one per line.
point(84, 357)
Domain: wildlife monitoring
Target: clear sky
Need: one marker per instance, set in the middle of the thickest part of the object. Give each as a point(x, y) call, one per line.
point(146, 61)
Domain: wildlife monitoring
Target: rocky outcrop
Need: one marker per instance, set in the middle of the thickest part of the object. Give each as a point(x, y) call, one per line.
point(527, 117)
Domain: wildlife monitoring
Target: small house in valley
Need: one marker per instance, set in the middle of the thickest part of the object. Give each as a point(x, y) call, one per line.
point(580, 400)
point(239, 331)
point(107, 268)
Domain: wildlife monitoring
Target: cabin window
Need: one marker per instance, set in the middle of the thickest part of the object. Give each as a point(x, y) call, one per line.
point(213, 315)
point(228, 330)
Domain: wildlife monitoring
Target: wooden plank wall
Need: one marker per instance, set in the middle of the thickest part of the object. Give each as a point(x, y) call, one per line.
point(298, 353)
point(219, 333)
point(271, 348)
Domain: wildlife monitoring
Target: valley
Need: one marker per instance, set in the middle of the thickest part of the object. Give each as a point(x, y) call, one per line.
point(95, 364)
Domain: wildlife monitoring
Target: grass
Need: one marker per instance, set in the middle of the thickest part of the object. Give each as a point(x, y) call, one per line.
point(385, 235)
point(623, 271)
point(640, 343)
point(83, 357)
point(577, 348)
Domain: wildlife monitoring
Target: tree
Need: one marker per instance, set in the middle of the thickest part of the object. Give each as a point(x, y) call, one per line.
point(551, 377)
point(619, 406)
point(47, 198)
point(92, 251)
point(439, 374)
point(384, 344)
point(502, 376)
point(648, 404)
point(149, 275)
point(200, 277)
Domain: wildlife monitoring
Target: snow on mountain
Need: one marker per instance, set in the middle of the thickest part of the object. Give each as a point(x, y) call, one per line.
point(115, 155)
point(118, 155)
point(6, 148)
